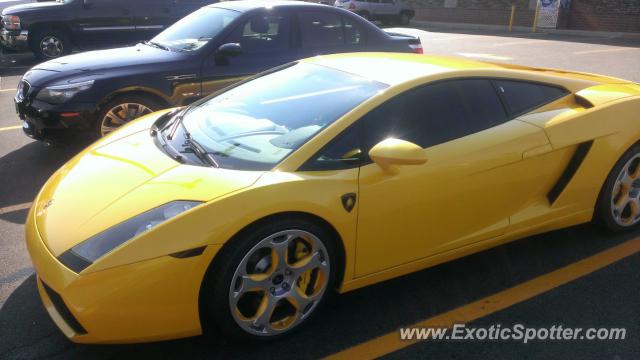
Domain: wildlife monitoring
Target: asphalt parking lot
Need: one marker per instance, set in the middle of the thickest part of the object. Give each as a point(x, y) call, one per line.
point(534, 281)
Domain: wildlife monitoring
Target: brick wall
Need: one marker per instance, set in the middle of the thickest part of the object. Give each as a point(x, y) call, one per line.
point(602, 15)
point(598, 15)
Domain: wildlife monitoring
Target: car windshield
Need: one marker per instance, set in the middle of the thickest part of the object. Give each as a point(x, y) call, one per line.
point(196, 29)
point(255, 125)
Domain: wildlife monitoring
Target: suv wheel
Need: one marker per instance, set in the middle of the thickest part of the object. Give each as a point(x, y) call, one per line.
point(50, 44)
point(122, 110)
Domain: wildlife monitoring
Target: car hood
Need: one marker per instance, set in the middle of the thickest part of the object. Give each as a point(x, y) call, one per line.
point(120, 177)
point(17, 9)
point(100, 63)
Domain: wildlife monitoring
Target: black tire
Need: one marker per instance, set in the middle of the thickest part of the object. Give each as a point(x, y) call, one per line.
point(216, 289)
point(604, 212)
point(146, 101)
point(404, 18)
point(50, 43)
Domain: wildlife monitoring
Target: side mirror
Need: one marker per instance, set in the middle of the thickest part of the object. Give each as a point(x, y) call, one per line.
point(390, 152)
point(229, 49)
point(88, 3)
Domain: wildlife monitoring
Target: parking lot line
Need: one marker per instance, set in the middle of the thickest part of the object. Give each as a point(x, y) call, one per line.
point(391, 342)
point(11, 128)
point(3, 90)
point(13, 208)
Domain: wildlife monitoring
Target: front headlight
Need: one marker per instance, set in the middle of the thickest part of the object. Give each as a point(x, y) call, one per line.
point(11, 22)
point(87, 252)
point(59, 94)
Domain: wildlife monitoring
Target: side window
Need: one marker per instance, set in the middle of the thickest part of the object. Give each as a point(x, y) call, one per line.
point(263, 33)
point(343, 152)
point(437, 113)
point(354, 34)
point(320, 29)
point(521, 97)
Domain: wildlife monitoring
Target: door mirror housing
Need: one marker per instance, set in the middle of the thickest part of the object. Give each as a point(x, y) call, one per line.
point(390, 152)
point(229, 49)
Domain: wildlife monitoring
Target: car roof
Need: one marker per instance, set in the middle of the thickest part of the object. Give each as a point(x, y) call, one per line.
point(396, 68)
point(247, 5)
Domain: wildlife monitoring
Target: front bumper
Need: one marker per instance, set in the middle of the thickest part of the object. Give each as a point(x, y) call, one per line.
point(150, 300)
point(47, 122)
point(14, 39)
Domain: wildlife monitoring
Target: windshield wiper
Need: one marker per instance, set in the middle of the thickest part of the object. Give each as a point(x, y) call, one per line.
point(156, 45)
point(198, 149)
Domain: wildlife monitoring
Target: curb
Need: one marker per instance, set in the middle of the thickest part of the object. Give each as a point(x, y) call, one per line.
point(524, 29)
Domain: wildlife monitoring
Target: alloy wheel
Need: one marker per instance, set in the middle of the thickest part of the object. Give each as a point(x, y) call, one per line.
point(279, 283)
point(625, 199)
point(51, 46)
point(120, 115)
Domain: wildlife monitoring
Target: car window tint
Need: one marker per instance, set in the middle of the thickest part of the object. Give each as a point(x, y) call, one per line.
point(263, 33)
point(343, 152)
point(521, 97)
point(436, 113)
point(354, 34)
point(320, 29)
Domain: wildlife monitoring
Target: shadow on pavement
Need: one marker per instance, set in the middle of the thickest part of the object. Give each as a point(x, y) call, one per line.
point(347, 320)
point(24, 171)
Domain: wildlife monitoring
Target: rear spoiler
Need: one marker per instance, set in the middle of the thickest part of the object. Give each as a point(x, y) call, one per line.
point(414, 42)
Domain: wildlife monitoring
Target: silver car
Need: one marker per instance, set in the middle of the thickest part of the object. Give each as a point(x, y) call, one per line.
point(387, 11)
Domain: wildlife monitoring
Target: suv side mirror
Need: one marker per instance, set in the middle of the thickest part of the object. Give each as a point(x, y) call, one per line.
point(390, 152)
point(228, 49)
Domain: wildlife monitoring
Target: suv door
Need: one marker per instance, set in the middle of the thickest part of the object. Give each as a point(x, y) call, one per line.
point(324, 32)
point(105, 21)
point(476, 175)
point(266, 43)
point(151, 17)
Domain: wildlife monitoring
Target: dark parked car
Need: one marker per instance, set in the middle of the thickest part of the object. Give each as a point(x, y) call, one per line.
point(208, 50)
point(53, 29)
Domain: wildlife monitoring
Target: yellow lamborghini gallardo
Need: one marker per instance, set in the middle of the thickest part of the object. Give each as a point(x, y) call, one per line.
point(247, 209)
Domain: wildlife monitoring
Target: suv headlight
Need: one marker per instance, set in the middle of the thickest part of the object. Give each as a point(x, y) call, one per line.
point(87, 252)
point(11, 22)
point(59, 94)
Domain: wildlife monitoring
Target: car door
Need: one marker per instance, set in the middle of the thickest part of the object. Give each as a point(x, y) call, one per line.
point(321, 32)
point(105, 22)
point(266, 43)
point(477, 174)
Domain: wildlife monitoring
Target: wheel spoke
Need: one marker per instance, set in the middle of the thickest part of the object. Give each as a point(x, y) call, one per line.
point(264, 312)
point(280, 252)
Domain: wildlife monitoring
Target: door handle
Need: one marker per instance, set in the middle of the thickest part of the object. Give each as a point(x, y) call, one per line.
point(539, 150)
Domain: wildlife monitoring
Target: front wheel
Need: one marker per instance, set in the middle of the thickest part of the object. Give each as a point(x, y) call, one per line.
point(404, 18)
point(271, 281)
point(50, 44)
point(122, 110)
point(618, 207)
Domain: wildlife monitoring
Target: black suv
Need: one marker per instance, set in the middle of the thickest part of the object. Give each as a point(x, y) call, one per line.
point(211, 48)
point(53, 29)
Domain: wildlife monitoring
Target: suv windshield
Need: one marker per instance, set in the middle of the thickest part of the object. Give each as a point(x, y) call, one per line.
point(255, 125)
point(196, 29)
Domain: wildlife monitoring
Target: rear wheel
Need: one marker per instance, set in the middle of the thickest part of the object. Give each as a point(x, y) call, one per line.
point(271, 281)
point(122, 110)
point(618, 207)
